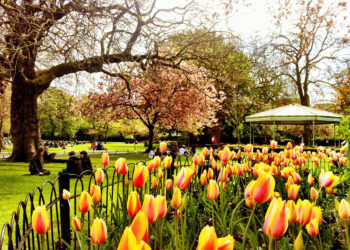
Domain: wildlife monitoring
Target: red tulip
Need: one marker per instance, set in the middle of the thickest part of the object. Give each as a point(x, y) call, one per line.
point(263, 188)
point(105, 159)
point(134, 204)
point(99, 175)
point(184, 178)
point(84, 202)
point(140, 227)
point(40, 220)
point(76, 224)
point(169, 184)
point(140, 176)
point(121, 166)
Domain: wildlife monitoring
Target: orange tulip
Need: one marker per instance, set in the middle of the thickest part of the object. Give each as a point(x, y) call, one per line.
point(40, 220)
point(313, 194)
point(247, 190)
point(66, 194)
point(154, 182)
point(105, 159)
point(201, 159)
point(276, 218)
point(312, 227)
point(140, 176)
point(184, 178)
point(95, 193)
point(161, 205)
point(128, 240)
point(156, 162)
point(273, 144)
point(293, 213)
point(121, 167)
point(289, 146)
point(140, 227)
point(134, 204)
point(222, 175)
point(98, 231)
point(167, 162)
point(84, 202)
point(263, 188)
point(248, 148)
point(207, 239)
point(214, 165)
point(327, 179)
point(160, 173)
point(169, 184)
point(293, 191)
point(99, 175)
point(310, 180)
point(162, 147)
point(249, 202)
point(344, 210)
point(149, 207)
point(143, 246)
point(210, 173)
point(225, 155)
point(205, 152)
point(176, 201)
point(76, 224)
point(213, 190)
point(226, 243)
point(304, 209)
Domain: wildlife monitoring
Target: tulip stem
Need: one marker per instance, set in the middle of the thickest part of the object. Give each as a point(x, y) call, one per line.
point(270, 243)
point(82, 231)
point(247, 227)
point(347, 234)
point(320, 241)
point(43, 241)
point(176, 247)
point(212, 212)
point(182, 232)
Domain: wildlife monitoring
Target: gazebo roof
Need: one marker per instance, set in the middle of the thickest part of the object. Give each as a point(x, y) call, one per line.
point(294, 114)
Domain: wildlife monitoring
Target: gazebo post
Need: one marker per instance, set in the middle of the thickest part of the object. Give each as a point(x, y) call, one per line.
point(273, 130)
point(313, 133)
point(253, 136)
point(335, 143)
point(250, 132)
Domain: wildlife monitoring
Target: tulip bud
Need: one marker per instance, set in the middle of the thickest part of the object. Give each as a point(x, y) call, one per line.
point(184, 178)
point(169, 184)
point(167, 162)
point(149, 207)
point(140, 176)
point(84, 202)
point(226, 243)
point(160, 173)
point(95, 193)
point(276, 218)
point(105, 159)
point(207, 239)
point(98, 231)
point(76, 224)
point(99, 175)
point(40, 220)
point(312, 227)
point(313, 194)
point(156, 162)
point(222, 175)
point(293, 213)
point(273, 144)
point(176, 201)
point(329, 190)
point(210, 173)
point(162, 147)
point(161, 205)
point(344, 210)
point(317, 214)
point(310, 180)
point(205, 152)
point(213, 190)
point(154, 182)
point(249, 202)
point(121, 167)
point(293, 191)
point(140, 227)
point(203, 180)
point(66, 194)
point(298, 243)
point(134, 204)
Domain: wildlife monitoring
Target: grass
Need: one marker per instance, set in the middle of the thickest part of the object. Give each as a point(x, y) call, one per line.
point(16, 181)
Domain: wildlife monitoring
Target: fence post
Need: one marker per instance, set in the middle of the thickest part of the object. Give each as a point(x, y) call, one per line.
point(63, 183)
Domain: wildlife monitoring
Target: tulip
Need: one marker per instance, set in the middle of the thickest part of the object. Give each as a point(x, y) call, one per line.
point(247, 190)
point(161, 205)
point(66, 194)
point(149, 207)
point(76, 224)
point(169, 184)
point(310, 180)
point(289, 182)
point(214, 165)
point(154, 182)
point(160, 173)
point(162, 147)
point(304, 209)
point(225, 155)
point(249, 202)
point(105, 159)
point(293, 213)
point(312, 227)
point(84, 202)
point(143, 246)
point(263, 188)
point(201, 159)
point(317, 214)
point(167, 162)
point(329, 190)
point(213, 190)
point(176, 201)
point(265, 151)
point(156, 162)
point(95, 193)
point(98, 231)
point(273, 144)
point(207, 239)
point(296, 177)
point(232, 155)
point(203, 180)
point(226, 243)
point(298, 243)
point(238, 155)
point(121, 167)
point(134, 204)
point(184, 178)
point(276, 218)
point(239, 170)
point(210, 173)
point(344, 210)
point(327, 179)
point(293, 191)
point(289, 146)
point(40, 220)
point(313, 194)
point(205, 152)
point(140, 176)
point(128, 240)
point(99, 175)
point(140, 227)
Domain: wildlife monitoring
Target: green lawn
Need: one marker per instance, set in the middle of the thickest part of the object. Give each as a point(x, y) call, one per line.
point(16, 181)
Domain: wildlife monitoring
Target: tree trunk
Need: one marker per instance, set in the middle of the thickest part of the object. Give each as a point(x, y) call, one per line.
point(305, 101)
point(2, 145)
point(150, 137)
point(25, 130)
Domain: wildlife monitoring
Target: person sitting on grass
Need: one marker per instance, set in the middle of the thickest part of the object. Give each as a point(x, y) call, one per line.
point(36, 165)
point(85, 161)
point(73, 164)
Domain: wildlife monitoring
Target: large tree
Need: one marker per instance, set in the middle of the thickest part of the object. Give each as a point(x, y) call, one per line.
point(160, 97)
point(4, 113)
point(45, 40)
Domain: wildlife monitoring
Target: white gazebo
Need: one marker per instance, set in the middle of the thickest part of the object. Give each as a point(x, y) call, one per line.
point(294, 114)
